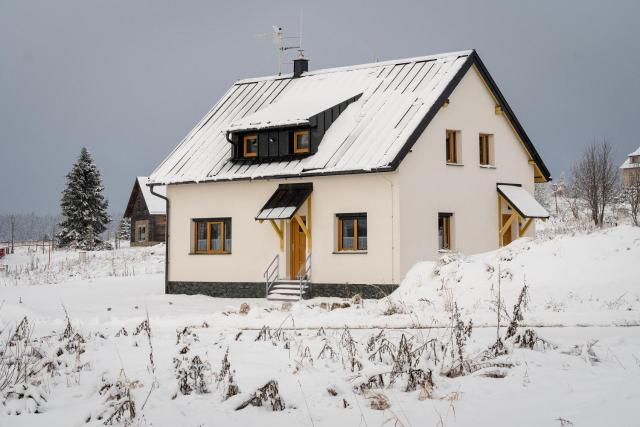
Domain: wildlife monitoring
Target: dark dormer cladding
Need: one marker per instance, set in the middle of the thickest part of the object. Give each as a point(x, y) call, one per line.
point(281, 143)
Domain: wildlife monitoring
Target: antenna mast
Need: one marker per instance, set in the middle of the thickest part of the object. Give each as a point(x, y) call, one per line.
point(278, 38)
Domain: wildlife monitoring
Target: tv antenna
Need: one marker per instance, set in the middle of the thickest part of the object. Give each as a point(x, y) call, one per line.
point(280, 41)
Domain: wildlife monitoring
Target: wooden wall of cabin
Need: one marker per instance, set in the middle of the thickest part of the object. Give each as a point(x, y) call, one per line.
point(156, 223)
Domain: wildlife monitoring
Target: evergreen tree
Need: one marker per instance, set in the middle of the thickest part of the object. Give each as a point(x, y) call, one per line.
point(84, 208)
point(124, 231)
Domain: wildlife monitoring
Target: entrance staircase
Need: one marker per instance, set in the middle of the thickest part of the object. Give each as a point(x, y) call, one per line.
point(278, 289)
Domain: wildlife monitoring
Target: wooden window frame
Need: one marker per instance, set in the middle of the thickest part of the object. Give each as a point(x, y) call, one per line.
point(296, 149)
point(224, 222)
point(446, 231)
point(355, 218)
point(484, 147)
point(452, 154)
point(138, 225)
point(245, 140)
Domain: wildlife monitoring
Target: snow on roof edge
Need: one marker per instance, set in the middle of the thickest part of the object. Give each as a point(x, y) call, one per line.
point(356, 66)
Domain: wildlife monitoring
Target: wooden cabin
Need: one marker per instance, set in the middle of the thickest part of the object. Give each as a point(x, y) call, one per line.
point(631, 169)
point(147, 213)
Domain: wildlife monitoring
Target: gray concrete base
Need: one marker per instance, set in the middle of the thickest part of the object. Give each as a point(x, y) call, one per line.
point(348, 290)
point(257, 289)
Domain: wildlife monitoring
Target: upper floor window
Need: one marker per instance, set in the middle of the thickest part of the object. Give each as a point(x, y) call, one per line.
point(212, 236)
point(301, 142)
point(486, 149)
point(250, 145)
point(453, 146)
point(352, 232)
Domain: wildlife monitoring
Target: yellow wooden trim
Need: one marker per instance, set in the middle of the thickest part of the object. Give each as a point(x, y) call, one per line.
point(507, 224)
point(499, 110)
point(244, 146)
point(309, 210)
point(525, 227)
point(279, 231)
point(216, 251)
point(296, 149)
point(500, 240)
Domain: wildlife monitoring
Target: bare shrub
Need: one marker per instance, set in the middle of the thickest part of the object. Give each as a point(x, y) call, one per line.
point(267, 395)
point(595, 177)
point(119, 406)
point(378, 401)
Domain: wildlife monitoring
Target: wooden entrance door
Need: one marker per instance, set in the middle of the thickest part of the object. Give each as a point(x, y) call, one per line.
point(298, 249)
point(507, 238)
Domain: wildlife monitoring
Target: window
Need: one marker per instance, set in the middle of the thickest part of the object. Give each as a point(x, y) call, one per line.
point(301, 141)
point(212, 236)
point(444, 231)
point(453, 146)
point(141, 231)
point(485, 148)
point(352, 232)
point(250, 146)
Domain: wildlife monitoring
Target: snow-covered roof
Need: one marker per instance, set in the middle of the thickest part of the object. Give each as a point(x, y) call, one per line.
point(155, 204)
point(628, 164)
point(374, 133)
point(523, 202)
point(293, 109)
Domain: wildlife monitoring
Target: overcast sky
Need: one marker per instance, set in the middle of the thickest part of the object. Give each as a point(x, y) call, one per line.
point(128, 79)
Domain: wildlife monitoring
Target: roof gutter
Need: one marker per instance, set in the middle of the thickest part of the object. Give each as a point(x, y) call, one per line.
point(166, 237)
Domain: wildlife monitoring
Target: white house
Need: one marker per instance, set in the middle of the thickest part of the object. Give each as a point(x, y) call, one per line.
point(337, 181)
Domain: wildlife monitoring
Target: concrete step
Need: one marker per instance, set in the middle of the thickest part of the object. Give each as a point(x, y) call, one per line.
point(287, 286)
point(280, 297)
point(285, 291)
point(288, 281)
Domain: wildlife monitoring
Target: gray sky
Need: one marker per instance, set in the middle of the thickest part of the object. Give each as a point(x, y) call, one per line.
point(128, 79)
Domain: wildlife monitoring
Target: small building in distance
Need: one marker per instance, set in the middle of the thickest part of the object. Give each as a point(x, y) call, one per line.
point(147, 213)
point(631, 169)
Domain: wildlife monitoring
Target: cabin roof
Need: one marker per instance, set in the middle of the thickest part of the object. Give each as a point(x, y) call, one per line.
point(155, 205)
point(627, 162)
point(399, 99)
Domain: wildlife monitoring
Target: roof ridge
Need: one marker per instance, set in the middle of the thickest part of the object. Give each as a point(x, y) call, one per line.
point(357, 66)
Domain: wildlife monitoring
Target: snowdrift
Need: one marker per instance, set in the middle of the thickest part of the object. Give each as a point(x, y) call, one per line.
point(584, 279)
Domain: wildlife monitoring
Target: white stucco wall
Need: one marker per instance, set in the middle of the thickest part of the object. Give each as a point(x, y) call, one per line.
point(402, 207)
point(255, 244)
point(428, 185)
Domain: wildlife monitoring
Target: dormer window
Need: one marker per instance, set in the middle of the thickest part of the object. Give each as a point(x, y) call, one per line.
point(301, 141)
point(250, 146)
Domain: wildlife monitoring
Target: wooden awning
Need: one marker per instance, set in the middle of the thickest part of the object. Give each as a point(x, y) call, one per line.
point(285, 202)
point(522, 202)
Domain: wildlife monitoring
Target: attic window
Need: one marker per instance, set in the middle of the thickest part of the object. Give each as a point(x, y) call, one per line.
point(301, 141)
point(250, 145)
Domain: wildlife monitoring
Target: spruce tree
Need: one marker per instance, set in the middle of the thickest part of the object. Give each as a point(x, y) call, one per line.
point(124, 231)
point(84, 208)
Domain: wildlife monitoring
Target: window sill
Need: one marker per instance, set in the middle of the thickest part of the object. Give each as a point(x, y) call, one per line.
point(455, 164)
point(487, 167)
point(212, 253)
point(350, 252)
point(445, 251)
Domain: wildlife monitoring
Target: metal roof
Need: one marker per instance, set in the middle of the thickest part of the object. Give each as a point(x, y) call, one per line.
point(374, 133)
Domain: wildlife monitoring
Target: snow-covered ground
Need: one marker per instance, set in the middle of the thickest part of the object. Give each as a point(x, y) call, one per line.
point(583, 370)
